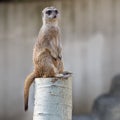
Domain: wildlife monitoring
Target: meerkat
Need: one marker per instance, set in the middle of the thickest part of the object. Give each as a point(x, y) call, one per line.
point(47, 56)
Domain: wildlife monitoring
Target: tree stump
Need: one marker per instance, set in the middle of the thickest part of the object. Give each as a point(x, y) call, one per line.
point(53, 99)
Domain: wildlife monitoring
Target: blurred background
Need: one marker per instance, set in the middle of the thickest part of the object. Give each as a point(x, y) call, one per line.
point(90, 31)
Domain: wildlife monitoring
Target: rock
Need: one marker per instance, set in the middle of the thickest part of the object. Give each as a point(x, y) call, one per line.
point(107, 107)
point(85, 117)
point(115, 86)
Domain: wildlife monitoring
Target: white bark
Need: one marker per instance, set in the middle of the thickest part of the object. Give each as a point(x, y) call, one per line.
point(53, 100)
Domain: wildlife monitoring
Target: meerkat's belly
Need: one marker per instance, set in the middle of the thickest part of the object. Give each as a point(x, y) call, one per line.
point(47, 65)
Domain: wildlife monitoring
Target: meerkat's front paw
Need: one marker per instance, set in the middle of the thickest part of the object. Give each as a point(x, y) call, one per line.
point(60, 56)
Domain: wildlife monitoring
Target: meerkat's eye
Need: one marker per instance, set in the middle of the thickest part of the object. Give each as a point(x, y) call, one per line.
point(48, 12)
point(56, 11)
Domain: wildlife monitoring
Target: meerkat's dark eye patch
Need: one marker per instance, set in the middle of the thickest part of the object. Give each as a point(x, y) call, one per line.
point(56, 11)
point(49, 12)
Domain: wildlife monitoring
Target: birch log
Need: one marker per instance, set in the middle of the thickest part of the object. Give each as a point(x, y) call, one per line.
point(53, 100)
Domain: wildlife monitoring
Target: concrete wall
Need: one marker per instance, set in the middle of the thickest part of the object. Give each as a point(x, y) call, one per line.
point(90, 36)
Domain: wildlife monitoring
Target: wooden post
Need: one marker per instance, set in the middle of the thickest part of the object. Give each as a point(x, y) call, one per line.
point(53, 100)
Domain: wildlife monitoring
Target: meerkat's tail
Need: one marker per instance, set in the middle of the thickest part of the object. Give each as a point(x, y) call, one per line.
point(28, 81)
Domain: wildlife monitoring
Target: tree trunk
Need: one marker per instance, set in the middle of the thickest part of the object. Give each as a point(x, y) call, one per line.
point(53, 99)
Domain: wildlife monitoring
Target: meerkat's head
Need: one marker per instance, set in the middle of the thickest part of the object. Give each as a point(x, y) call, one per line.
point(50, 15)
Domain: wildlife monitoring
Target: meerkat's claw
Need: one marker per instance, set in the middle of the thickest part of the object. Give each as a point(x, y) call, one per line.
point(67, 73)
point(64, 75)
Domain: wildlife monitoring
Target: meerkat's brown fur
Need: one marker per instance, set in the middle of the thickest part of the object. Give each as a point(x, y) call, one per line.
point(47, 52)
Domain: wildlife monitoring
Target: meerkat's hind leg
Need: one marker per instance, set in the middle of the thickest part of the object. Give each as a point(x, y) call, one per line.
point(50, 71)
point(57, 75)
